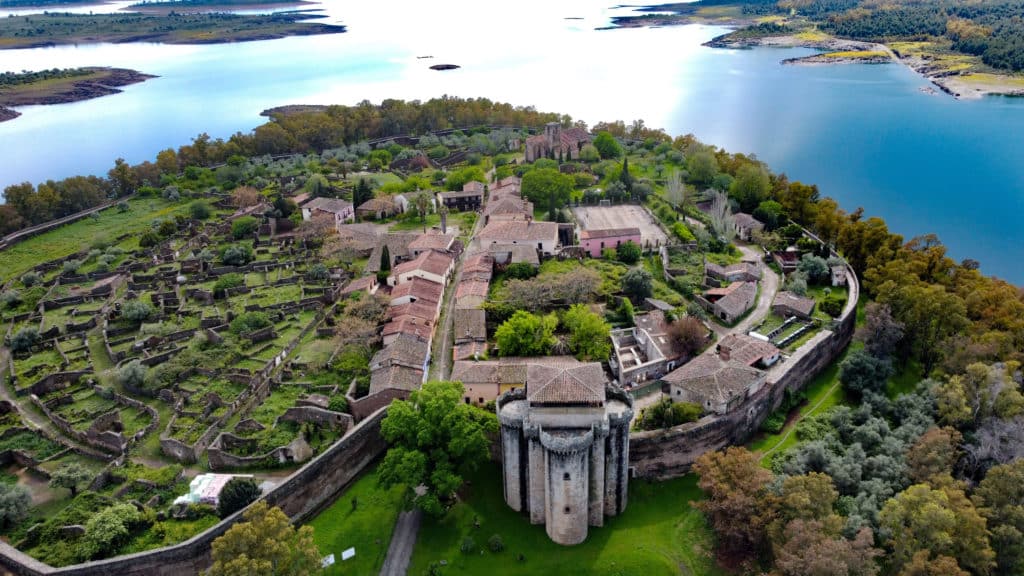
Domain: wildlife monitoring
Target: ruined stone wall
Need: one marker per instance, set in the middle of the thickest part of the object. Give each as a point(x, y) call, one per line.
point(302, 495)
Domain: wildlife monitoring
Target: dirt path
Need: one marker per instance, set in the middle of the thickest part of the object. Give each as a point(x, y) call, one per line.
point(769, 286)
point(403, 540)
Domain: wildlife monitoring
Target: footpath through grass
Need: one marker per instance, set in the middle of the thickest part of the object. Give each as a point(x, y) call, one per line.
point(366, 527)
point(659, 534)
point(87, 232)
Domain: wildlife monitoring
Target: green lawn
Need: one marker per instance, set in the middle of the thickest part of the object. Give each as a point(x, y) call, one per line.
point(659, 533)
point(73, 238)
point(367, 528)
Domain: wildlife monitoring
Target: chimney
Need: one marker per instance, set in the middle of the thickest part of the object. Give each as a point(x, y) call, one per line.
point(444, 222)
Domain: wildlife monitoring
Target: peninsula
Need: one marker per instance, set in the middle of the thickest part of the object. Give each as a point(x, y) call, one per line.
point(52, 29)
point(967, 53)
point(61, 86)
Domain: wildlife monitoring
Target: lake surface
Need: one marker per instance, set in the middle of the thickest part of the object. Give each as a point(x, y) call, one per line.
point(865, 134)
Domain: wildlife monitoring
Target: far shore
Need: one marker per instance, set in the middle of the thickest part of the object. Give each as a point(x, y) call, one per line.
point(95, 83)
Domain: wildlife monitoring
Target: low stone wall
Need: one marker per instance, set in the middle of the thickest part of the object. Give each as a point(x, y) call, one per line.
point(661, 454)
point(302, 495)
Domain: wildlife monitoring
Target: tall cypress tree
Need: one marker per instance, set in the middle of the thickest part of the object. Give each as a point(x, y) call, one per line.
point(385, 259)
point(625, 177)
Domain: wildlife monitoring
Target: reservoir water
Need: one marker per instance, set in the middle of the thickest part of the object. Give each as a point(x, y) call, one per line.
point(866, 134)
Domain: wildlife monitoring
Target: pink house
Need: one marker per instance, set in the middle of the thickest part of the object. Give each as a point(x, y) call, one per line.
point(594, 241)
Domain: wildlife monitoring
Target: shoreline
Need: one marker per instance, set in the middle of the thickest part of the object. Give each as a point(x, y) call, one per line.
point(101, 82)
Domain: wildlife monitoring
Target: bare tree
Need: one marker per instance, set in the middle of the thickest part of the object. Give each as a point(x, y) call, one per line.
point(245, 196)
point(722, 221)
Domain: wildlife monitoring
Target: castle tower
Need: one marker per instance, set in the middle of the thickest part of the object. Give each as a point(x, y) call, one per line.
point(553, 135)
point(565, 448)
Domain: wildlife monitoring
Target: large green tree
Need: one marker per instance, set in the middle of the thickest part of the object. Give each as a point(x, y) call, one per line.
point(434, 440)
point(71, 476)
point(739, 505)
point(607, 145)
point(526, 334)
point(1000, 499)
point(547, 187)
point(750, 187)
point(266, 544)
point(588, 333)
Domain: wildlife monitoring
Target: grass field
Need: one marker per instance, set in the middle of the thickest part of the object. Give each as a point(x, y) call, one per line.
point(367, 528)
point(659, 534)
point(67, 240)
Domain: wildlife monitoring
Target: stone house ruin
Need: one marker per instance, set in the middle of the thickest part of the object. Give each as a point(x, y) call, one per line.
point(556, 142)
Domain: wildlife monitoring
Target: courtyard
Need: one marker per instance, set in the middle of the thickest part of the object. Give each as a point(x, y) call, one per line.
point(621, 216)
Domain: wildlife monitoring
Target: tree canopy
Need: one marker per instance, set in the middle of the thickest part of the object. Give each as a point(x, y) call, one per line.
point(265, 544)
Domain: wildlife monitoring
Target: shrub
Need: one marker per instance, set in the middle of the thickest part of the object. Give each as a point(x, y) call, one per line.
point(132, 374)
point(666, 414)
point(71, 266)
point(338, 404)
point(495, 543)
point(10, 299)
point(468, 545)
point(237, 255)
point(833, 306)
point(15, 502)
point(167, 228)
point(608, 254)
point(122, 206)
point(137, 311)
point(774, 423)
point(249, 322)
point(109, 529)
point(318, 272)
point(149, 239)
point(638, 283)
point(238, 493)
point(683, 233)
point(24, 339)
point(199, 210)
point(520, 271)
point(628, 252)
point(244, 227)
point(30, 279)
point(226, 281)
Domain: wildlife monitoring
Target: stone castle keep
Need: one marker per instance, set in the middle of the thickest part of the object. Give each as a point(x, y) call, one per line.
point(565, 449)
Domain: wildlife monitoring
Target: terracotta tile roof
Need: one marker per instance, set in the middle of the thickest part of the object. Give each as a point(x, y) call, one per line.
point(420, 289)
point(507, 205)
point(473, 186)
point(362, 236)
point(406, 350)
point(479, 263)
point(469, 350)
point(471, 288)
point(469, 324)
point(608, 233)
point(360, 284)
point(422, 328)
point(332, 205)
point(745, 349)
point(421, 309)
point(432, 241)
point(714, 378)
point(463, 194)
point(397, 377)
point(510, 181)
point(520, 231)
point(739, 299)
point(801, 304)
point(567, 384)
point(431, 261)
point(384, 203)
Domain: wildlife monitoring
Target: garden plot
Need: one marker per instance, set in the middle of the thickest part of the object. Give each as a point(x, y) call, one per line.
point(622, 216)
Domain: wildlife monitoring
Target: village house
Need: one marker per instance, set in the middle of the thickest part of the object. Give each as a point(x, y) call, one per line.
point(424, 310)
point(720, 379)
point(505, 254)
point(471, 293)
point(788, 260)
point(542, 235)
point(595, 241)
point(360, 238)
point(340, 211)
point(377, 208)
point(645, 351)
point(507, 208)
point(410, 325)
point(418, 289)
point(469, 328)
point(478, 266)
point(401, 365)
point(431, 240)
point(406, 202)
point(741, 271)
point(431, 265)
point(556, 142)
point(366, 284)
point(732, 301)
point(788, 304)
point(397, 244)
point(746, 225)
point(462, 201)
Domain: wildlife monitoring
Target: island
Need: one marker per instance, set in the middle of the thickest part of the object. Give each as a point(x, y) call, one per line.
point(167, 6)
point(965, 51)
point(53, 29)
point(61, 86)
point(352, 311)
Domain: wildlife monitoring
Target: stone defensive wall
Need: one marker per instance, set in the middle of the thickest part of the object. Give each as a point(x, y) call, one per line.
point(302, 495)
point(662, 454)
